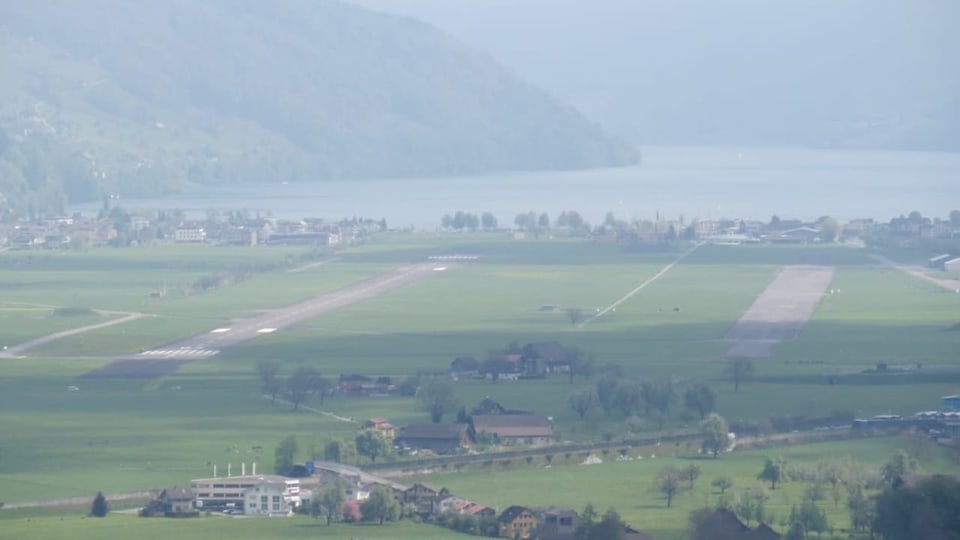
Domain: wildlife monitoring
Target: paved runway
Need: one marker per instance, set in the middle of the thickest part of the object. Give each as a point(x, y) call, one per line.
point(212, 342)
point(780, 312)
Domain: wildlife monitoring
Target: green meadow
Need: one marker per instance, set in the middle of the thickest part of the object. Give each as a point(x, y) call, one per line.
point(627, 486)
point(623, 485)
point(122, 526)
point(127, 435)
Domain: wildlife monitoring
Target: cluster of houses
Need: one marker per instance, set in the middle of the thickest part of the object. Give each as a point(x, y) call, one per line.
point(488, 422)
point(271, 495)
point(252, 495)
point(941, 425)
point(65, 232)
point(533, 361)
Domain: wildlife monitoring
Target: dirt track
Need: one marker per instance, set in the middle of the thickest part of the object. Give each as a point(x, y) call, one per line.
point(780, 312)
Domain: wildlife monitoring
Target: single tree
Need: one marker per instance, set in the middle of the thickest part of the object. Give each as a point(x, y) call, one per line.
point(627, 396)
point(583, 401)
point(380, 506)
point(774, 471)
point(351, 511)
point(715, 435)
point(372, 443)
point(588, 520)
point(610, 527)
point(812, 517)
point(669, 483)
point(900, 464)
point(300, 385)
point(268, 371)
point(543, 221)
point(860, 507)
point(331, 501)
point(796, 532)
point(830, 230)
point(437, 399)
point(929, 508)
point(575, 315)
point(700, 398)
point(752, 505)
point(739, 369)
point(723, 483)
point(322, 387)
point(579, 364)
point(606, 387)
point(663, 396)
point(284, 454)
point(99, 508)
point(333, 452)
point(691, 473)
point(488, 221)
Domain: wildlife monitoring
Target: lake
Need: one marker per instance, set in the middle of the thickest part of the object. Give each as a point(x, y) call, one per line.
point(749, 183)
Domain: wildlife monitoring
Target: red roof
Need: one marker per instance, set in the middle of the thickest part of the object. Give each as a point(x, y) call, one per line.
point(513, 425)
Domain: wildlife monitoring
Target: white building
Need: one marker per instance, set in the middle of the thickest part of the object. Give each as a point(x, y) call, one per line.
point(189, 235)
point(271, 499)
point(231, 491)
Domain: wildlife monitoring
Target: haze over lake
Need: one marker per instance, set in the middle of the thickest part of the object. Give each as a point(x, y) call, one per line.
point(748, 183)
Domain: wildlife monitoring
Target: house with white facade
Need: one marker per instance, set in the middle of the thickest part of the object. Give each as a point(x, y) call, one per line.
point(232, 492)
point(271, 499)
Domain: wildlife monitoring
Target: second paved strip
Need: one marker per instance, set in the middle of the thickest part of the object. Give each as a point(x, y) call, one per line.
point(780, 312)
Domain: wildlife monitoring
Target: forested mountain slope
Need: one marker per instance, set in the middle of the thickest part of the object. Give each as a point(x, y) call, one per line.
point(110, 96)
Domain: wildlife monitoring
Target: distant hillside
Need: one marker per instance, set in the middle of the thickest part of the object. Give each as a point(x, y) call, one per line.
point(831, 73)
point(112, 96)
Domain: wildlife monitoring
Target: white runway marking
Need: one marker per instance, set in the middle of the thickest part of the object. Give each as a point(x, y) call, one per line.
point(183, 352)
point(219, 330)
point(638, 288)
point(266, 330)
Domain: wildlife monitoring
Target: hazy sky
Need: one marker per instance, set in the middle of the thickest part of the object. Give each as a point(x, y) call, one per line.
point(668, 70)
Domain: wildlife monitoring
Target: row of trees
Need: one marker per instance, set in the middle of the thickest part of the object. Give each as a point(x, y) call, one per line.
point(331, 504)
point(613, 394)
point(526, 221)
point(297, 388)
point(461, 220)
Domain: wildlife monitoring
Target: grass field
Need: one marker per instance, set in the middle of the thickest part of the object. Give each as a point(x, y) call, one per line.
point(122, 526)
point(123, 435)
point(627, 486)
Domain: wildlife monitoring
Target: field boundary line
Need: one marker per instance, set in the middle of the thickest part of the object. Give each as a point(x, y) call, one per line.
point(306, 267)
point(127, 317)
point(640, 287)
point(335, 416)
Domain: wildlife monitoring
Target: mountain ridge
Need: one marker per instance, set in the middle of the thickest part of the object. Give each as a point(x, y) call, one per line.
point(110, 97)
